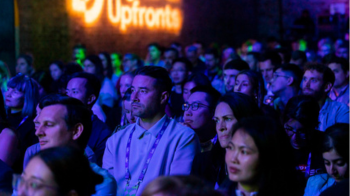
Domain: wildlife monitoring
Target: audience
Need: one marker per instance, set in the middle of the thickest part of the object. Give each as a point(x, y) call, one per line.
point(198, 112)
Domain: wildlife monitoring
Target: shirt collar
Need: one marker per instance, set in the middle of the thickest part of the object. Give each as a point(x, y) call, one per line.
point(154, 130)
point(326, 104)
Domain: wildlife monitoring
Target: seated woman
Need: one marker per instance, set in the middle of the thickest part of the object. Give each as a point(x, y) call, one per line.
point(300, 120)
point(58, 171)
point(21, 99)
point(335, 151)
point(258, 160)
point(232, 107)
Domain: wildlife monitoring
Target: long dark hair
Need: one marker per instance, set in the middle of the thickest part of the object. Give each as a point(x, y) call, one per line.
point(257, 82)
point(108, 69)
point(242, 105)
point(30, 89)
point(337, 138)
point(276, 173)
point(71, 170)
point(98, 66)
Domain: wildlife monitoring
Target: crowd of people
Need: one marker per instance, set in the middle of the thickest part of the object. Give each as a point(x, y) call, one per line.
point(261, 119)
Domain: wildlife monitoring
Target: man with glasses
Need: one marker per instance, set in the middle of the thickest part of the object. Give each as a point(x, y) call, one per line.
point(129, 152)
point(198, 114)
point(285, 84)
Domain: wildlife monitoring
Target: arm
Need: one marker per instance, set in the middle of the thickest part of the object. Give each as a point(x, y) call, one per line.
point(186, 150)
point(107, 162)
point(101, 145)
point(8, 146)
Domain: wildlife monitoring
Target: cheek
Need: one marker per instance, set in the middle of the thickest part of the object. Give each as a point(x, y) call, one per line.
point(342, 170)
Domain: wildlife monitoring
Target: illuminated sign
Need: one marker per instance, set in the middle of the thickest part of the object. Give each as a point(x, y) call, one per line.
point(132, 14)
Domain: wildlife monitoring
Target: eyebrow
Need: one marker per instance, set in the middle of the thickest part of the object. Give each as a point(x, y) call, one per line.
point(240, 147)
point(340, 159)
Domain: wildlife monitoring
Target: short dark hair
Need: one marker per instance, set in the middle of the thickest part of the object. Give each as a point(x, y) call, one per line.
point(79, 46)
point(237, 64)
point(172, 50)
point(342, 61)
point(71, 170)
point(295, 72)
point(213, 52)
point(93, 84)
point(27, 58)
point(77, 112)
point(212, 95)
point(185, 61)
point(304, 109)
point(199, 79)
point(109, 68)
point(298, 54)
point(163, 81)
point(60, 64)
point(156, 45)
point(327, 73)
point(72, 68)
point(94, 59)
point(273, 56)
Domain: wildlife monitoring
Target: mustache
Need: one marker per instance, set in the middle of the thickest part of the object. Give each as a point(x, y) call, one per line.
point(135, 103)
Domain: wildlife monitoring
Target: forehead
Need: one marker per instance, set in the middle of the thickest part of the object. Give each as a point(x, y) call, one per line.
point(78, 83)
point(38, 169)
point(313, 73)
point(179, 65)
point(242, 77)
point(189, 85)
point(126, 79)
point(223, 108)
point(334, 66)
point(241, 138)
point(88, 62)
point(143, 81)
point(209, 56)
point(265, 64)
point(169, 53)
point(198, 97)
point(294, 123)
point(54, 113)
point(231, 71)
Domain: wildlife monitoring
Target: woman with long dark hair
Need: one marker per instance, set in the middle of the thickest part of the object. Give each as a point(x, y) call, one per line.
point(258, 160)
point(335, 152)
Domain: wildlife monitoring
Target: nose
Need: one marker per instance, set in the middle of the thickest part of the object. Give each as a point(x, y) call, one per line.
point(21, 190)
point(222, 126)
point(39, 132)
point(134, 96)
point(238, 87)
point(234, 157)
point(333, 170)
point(188, 112)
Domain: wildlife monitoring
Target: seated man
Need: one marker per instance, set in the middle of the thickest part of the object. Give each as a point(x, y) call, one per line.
point(285, 84)
point(317, 81)
point(63, 121)
point(231, 69)
point(86, 88)
point(129, 152)
point(268, 63)
point(340, 90)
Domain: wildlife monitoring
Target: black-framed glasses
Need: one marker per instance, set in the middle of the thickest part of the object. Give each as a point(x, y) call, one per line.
point(194, 106)
point(275, 76)
point(290, 132)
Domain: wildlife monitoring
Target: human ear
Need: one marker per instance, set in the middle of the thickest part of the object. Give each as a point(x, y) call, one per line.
point(290, 81)
point(77, 131)
point(327, 87)
point(164, 97)
point(91, 99)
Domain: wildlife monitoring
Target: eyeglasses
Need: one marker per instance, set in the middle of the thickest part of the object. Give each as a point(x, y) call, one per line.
point(291, 132)
point(194, 106)
point(31, 185)
point(275, 76)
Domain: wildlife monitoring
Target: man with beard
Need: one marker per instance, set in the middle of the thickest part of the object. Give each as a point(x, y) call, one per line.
point(317, 81)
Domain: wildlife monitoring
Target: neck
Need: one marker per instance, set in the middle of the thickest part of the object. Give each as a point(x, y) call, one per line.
point(147, 123)
point(178, 88)
point(15, 110)
point(287, 94)
point(247, 189)
point(341, 87)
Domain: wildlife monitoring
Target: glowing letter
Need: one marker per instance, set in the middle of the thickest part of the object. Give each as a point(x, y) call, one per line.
point(159, 16)
point(150, 17)
point(126, 17)
point(141, 14)
point(114, 18)
point(134, 12)
point(90, 14)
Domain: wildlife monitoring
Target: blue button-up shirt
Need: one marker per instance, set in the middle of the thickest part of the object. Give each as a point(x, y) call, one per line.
point(332, 112)
point(174, 154)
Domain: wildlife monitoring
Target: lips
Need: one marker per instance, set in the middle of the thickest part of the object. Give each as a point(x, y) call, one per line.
point(42, 143)
point(223, 137)
point(233, 170)
point(7, 100)
point(188, 121)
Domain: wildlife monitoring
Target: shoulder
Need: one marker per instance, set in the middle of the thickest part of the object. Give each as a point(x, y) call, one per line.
point(180, 129)
point(335, 104)
point(121, 132)
point(8, 134)
point(317, 181)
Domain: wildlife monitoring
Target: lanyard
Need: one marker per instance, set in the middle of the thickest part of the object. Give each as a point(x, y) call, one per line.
point(307, 172)
point(23, 120)
point(150, 154)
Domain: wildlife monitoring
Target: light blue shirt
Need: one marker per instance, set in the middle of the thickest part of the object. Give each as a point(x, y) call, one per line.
point(173, 156)
point(331, 113)
point(318, 183)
